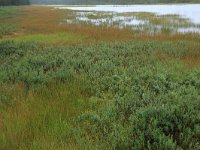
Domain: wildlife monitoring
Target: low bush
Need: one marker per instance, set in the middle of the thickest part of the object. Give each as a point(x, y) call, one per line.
point(140, 100)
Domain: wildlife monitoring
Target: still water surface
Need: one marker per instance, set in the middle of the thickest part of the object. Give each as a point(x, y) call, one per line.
point(189, 11)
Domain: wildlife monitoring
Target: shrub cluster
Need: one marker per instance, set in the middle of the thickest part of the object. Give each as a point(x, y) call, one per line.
point(147, 102)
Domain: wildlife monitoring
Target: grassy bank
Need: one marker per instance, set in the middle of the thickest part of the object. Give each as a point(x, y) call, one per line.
point(91, 89)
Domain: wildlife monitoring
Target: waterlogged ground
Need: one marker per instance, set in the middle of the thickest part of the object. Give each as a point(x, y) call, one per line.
point(82, 86)
point(147, 18)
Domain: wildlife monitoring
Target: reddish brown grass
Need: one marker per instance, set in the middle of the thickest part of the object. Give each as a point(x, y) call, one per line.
point(191, 58)
point(45, 20)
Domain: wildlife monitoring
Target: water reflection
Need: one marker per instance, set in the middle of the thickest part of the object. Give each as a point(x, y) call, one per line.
point(186, 20)
point(191, 11)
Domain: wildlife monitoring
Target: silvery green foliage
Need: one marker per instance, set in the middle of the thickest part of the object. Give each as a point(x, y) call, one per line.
point(148, 102)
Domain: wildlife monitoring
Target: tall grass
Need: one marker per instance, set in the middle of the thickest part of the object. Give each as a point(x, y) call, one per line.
point(46, 21)
point(56, 38)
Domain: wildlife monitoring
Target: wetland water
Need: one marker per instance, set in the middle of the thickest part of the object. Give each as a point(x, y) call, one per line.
point(151, 18)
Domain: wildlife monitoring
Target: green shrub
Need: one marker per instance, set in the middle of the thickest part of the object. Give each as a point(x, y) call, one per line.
point(143, 102)
point(6, 29)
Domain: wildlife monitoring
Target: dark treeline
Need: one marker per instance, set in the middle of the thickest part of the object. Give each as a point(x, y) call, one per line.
point(85, 2)
point(14, 2)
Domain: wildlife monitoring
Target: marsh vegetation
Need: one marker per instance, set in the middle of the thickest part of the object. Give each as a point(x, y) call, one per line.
point(80, 86)
point(142, 18)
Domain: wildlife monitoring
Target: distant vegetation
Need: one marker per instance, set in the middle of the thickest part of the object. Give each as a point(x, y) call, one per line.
point(14, 2)
point(85, 2)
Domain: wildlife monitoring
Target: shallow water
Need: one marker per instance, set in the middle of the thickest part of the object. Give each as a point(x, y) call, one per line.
point(189, 11)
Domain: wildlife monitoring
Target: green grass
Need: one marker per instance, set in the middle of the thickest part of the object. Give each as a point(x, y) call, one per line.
point(6, 29)
point(48, 38)
point(6, 14)
point(9, 12)
point(45, 120)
